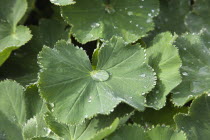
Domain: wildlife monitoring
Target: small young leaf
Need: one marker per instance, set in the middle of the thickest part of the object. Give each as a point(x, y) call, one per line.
point(195, 70)
point(68, 80)
point(196, 124)
point(130, 20)
point(165, 60)
point(11, 35)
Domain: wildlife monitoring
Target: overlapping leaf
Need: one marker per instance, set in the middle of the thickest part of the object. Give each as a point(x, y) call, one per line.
point(135, 132)
point(199, 17)
point(172, 15)
point(94, 129)
point(11, 35)
point(27, 55)
point(12, 110)
point(196, 124)
point(195, 54)
point(165, 60)
point(162, 116)
point(130, 20)
point(78, 91)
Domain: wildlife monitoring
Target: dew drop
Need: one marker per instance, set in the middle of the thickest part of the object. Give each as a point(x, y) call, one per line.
point(99, 75)
point(143, 93)
point(130, 13)
point(141, 6)
point(95, 25)
point(185, 73)
point(143, 75)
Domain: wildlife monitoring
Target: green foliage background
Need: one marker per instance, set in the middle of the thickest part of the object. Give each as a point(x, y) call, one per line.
point(104, 69)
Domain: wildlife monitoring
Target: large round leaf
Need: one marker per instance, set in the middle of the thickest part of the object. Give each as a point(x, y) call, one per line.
point(78, 91)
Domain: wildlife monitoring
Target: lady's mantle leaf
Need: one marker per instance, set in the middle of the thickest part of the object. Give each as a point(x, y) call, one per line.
point(165, 60)
point(162, 116)
point(130, 20)
point(195, 54)
point(199, 17)
point(94, 129)
point(12, 109)
point(135, 132)
point(196, 124)
point(62, 2)
point(11, 35)
point(68, 80)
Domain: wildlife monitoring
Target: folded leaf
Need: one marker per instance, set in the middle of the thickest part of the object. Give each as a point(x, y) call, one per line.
point(194, 52)
point(196, 124)
point(11, 35)
point(130, 20)
point(78, 92)
point(165, 60)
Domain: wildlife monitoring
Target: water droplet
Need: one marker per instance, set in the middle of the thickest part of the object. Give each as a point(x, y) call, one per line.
point(185, 49)
point(95, 25)
point(143, 75)
point(86, 116)
point(209, 95)
point(143, 93)
point(185, 73)
point(141, 6)
point(90, 99)
point(131, 97)
point(130, 13)
point(99, 75)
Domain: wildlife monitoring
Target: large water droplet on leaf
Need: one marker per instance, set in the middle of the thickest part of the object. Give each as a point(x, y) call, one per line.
point(99, 75)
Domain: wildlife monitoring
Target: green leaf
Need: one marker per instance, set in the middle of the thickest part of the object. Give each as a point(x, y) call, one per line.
point(199, 17)
point(165, 133)
point(11, 35)
point(196, 123)
point(26, 71)
point(163, 116)
point(78, 92)
point(165, 60)
point(195, 54)
point(12, 109)
point(34, 103)
point(135, 132)
point(172, 15)
point(62, 2)
point(130, 20)
point(94, 129)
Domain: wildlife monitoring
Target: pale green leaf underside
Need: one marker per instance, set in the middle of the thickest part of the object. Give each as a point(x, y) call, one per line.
point(130, 20)
point(62, 2)
point(196, 124)
point(11, 35)
point(165, 60)
point(194, 52)
point(135, 132)
point(12, 109)
point(66, 79)
point(199, 17)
